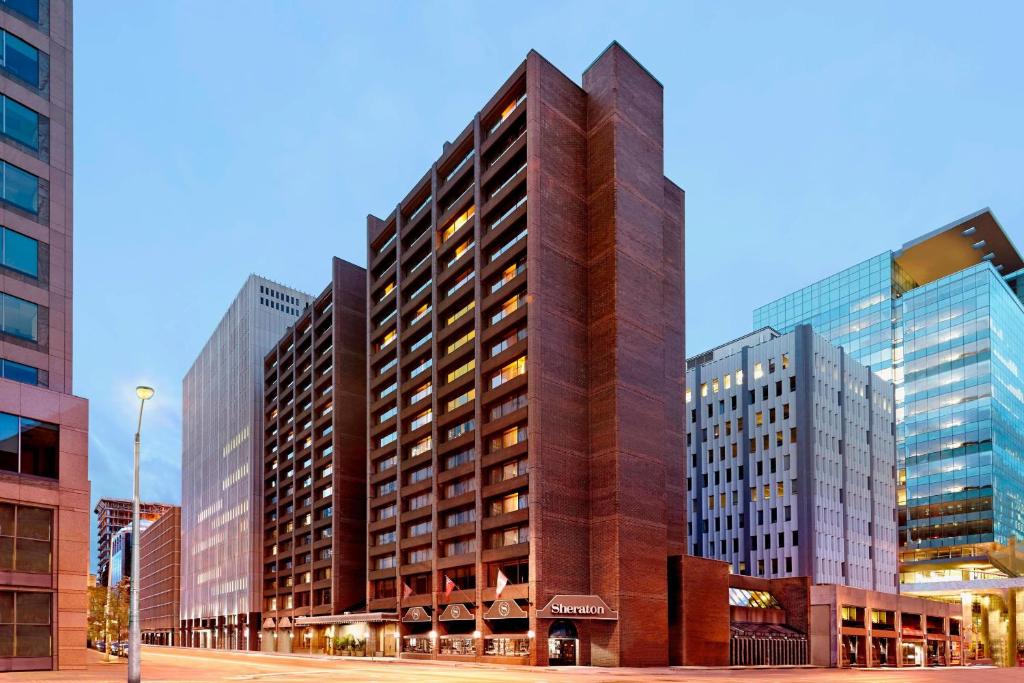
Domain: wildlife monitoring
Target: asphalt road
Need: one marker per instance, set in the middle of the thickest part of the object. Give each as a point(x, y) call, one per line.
point(159, 664)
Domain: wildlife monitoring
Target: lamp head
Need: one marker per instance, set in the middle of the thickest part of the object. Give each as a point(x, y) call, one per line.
point(144, 392)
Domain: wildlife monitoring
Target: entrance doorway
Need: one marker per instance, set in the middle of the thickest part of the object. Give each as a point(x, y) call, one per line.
point(563, 643)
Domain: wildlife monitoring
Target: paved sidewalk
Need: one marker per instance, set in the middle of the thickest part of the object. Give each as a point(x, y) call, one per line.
point(178, 665)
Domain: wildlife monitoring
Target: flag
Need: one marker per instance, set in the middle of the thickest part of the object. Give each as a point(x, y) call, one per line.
point(406, 590)
point(502, 582)
point(449, 586)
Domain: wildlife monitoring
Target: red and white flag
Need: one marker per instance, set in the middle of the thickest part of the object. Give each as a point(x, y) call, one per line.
point(406, 590)
point(449, 586)
point(502, 582)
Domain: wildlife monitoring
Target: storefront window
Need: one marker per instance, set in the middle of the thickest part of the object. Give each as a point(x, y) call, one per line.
point(457, 645)
point(418, 644)
point(507, 646)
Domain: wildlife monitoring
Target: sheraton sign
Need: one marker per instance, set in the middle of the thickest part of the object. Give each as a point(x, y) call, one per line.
point(578, 607)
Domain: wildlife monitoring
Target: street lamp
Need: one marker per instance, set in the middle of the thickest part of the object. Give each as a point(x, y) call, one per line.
point(134, 628)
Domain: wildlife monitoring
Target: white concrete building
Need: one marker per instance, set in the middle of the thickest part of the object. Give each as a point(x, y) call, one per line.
point(222, 468)
point(791, 461)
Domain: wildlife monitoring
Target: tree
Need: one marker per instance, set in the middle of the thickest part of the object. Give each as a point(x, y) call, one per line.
point(114, 604)
point(97, 607)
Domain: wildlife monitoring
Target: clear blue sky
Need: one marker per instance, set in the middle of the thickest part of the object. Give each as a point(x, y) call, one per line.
point(215, 139)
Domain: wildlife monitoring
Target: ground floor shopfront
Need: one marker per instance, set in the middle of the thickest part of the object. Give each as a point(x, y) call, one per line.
point(500, 631)
point(231, 632)
point(854, 628)
point(165, 637)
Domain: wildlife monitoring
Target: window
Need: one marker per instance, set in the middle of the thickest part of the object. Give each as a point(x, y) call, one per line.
point(510, 536)
point(508, 470)
point(508, 406)
point(460, 429)
point(510, 306)
point(387, 414)
point(28, 446)
point(459, 487)
point(509, 372)
point(461, 249)
point(459, 547)
point(468, 366)
point(18, 372)
point(384, 562)
point(25, 540)
point(26, 8)
point(387, 439)
point(421, 474)
point(418, 529)
point(460, 400)
point(19, 59)
point(460, 517)
point(421, 392)
point(461, 341)
point(508, 438)
point(507, 275)
point(460, 458)
point(420, 420)
point(25, 628)
point(421, 447)
point(420, 501)
point(758, 371)
point(506, 112)
point(466, 277)
point(458, 222)
point(508, 245)
point(19, 122)
point(20, 188)
point(518, 500)
point(508, 341)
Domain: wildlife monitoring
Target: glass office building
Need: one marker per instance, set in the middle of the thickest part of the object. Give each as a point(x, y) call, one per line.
point(942, 317)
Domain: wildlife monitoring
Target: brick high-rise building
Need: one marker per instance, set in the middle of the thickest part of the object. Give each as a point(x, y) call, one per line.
point(160, 579)
point(314, 465)
point(44, 480)
point(526, 360)
point(113, 514)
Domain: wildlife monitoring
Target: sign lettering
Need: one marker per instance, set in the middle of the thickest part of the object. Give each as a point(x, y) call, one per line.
point(578, 607)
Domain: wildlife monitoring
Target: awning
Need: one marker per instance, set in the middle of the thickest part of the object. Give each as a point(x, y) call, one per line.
point(284, 623)
point(457, 612)
point(505, 609)
point(416, 615)
point(747, 629)
point(269, 622)
point(356, 618)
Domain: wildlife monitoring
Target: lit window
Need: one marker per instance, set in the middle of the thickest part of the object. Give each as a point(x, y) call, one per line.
point(509, 372)
point(457, 223)
point(758, 371)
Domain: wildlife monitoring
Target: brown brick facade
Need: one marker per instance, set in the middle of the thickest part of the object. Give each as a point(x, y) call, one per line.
point(533, 351)
point(314, 480)
point(160, 579)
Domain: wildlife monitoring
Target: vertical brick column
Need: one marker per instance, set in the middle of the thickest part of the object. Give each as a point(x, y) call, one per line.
point(633, 446)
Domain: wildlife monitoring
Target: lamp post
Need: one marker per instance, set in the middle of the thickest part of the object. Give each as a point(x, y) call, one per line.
point(134, 628)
